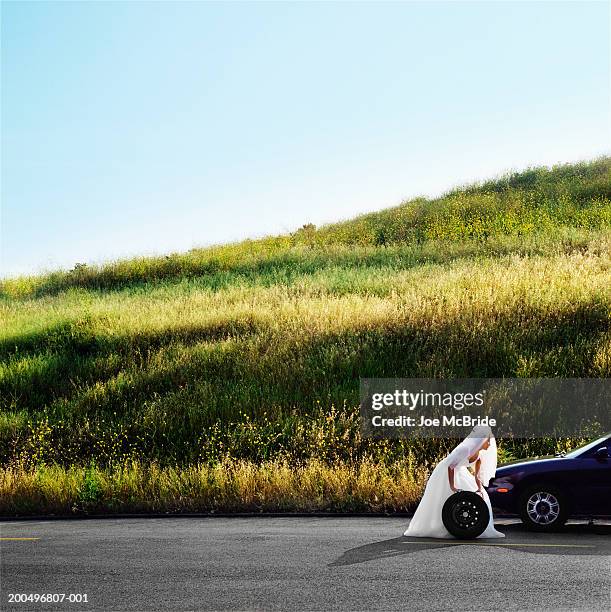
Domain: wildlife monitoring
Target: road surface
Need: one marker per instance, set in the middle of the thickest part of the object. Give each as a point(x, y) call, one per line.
point(298, 564)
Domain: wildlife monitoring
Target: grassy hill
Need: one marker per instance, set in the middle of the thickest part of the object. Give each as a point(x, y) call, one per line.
point(195, 367)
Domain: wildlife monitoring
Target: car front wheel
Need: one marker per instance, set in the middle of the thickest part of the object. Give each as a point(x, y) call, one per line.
point(543, 508)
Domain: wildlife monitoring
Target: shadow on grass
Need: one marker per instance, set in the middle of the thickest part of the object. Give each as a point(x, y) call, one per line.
point(288, 267)
point(294, 263)
point(73, 359)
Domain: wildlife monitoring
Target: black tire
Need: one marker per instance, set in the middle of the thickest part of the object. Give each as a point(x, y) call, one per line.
point(465, 515)
point(543, 508)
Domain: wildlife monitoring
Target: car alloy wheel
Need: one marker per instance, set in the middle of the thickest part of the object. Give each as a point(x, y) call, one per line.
point(543, 508)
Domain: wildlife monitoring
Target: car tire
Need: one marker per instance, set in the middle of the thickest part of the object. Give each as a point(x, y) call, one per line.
point(465, 515)
point(543, 508)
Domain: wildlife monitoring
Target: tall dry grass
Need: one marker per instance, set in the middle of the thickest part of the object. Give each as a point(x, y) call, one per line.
point(227, 486)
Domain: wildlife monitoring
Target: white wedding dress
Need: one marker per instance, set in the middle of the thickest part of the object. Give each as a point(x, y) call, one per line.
point(427, 522)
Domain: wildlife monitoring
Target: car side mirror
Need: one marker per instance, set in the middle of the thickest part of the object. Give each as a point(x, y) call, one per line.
point(601, 453)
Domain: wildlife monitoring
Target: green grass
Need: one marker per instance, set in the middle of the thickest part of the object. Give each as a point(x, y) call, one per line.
point(252, 351)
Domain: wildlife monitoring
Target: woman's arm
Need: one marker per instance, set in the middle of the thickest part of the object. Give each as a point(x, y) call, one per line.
point(477, 480)
point(451, 478)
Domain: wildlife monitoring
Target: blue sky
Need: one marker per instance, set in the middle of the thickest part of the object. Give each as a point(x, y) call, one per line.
point(140, 128)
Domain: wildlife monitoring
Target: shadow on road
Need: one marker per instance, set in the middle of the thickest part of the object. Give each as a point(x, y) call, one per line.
point(572, 540)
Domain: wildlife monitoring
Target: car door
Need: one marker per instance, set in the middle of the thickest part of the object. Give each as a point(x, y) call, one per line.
point(593, 485)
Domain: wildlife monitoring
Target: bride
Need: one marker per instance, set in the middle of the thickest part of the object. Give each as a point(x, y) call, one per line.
point(478, 452)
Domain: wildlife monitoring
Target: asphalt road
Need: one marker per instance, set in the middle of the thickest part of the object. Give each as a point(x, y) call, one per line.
point(299, 564)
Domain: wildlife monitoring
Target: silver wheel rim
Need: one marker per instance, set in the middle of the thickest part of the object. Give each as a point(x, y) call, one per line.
point(542, 508)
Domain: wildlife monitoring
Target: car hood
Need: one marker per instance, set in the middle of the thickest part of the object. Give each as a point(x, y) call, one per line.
point(544, 459)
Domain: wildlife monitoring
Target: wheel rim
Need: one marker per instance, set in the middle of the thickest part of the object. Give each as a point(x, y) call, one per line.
point(543, 508)
point(465, 514)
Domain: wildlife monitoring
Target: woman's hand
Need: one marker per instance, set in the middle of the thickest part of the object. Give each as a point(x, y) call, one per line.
point(480, 488)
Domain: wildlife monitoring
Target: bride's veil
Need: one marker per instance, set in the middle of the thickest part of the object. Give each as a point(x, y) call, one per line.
point(470, 445)
point(488, 460)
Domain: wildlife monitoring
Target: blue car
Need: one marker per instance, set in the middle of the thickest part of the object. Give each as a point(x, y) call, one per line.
point(545, 492)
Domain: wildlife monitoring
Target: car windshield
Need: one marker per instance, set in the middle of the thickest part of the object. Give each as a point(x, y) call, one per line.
point(586, 447)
